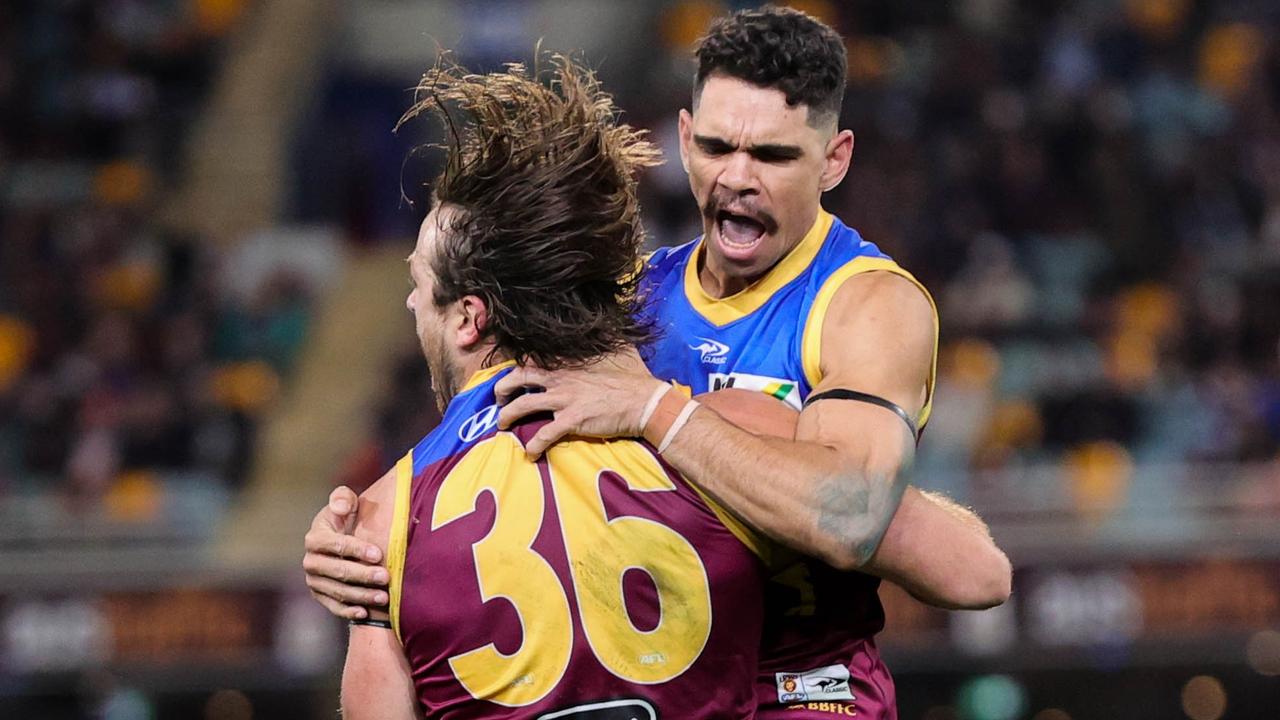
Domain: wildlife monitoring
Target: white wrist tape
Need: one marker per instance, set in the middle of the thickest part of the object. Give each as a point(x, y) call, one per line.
point(652, 405)
point(681, 419)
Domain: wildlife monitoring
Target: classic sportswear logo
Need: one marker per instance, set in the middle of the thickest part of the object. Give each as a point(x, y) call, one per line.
point(479, 424)
point(825, 683)
point(712, 352)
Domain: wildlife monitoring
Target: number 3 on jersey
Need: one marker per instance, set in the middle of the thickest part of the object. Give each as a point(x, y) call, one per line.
point(508, 566)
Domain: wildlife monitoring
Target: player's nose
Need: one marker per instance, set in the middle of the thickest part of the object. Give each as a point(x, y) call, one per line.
point(738, 174)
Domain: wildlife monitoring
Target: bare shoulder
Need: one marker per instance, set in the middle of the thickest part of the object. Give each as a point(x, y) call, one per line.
point(879, 336)
point(883, 300)
point(375, 510)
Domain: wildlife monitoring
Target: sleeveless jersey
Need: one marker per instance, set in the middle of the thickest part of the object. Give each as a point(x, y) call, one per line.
point(818, 656)
point(592, 584)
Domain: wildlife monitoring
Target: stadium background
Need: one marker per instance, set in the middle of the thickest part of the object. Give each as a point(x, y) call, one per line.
point(202, 328)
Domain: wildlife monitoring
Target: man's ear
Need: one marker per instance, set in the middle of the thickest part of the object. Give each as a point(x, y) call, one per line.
point(839, 155)
point(684, 126)
point(471, 320)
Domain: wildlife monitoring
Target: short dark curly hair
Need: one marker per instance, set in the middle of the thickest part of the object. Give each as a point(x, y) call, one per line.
point(549, 232)
point(777, 47)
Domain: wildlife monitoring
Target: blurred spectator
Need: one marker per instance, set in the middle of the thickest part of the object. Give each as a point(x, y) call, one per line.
point(122, 362)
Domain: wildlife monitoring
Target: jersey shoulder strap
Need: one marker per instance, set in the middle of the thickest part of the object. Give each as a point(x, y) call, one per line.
point(811, 342)
point(398, 540)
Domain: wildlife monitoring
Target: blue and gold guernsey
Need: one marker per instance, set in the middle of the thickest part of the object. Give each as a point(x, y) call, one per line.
point(592, 584)
point(818, 656)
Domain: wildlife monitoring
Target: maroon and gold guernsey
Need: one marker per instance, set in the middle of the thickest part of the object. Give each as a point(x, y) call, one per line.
point(593, 584)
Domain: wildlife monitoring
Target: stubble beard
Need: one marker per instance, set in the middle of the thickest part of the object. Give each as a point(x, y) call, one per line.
point(444, 372)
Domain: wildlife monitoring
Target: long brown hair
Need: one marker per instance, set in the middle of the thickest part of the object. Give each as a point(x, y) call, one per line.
point(549, 235)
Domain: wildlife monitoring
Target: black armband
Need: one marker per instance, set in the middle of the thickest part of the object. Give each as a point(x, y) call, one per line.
point(371, 622)
point(842, 394)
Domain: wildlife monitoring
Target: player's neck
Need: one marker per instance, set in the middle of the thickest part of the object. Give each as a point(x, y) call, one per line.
point(478, 360)
point(720, 280)
point(460, 375)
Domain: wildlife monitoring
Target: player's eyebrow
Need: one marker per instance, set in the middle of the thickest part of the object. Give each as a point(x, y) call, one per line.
point(714, 145)
point(768, 152)
point(772, 151)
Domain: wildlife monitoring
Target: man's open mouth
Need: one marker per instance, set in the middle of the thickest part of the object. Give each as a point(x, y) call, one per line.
point(739, 230)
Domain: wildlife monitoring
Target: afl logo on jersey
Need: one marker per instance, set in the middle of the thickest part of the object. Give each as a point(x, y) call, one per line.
point(712, 352)
point(479, 424)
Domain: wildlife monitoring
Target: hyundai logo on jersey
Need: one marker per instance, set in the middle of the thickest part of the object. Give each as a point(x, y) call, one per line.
point(478, 424)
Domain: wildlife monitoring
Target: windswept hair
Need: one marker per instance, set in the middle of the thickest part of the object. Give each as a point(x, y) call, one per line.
point(776, 47)
point(549, 232)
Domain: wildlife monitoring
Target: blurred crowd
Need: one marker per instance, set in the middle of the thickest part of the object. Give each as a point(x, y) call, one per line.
point(125, 364)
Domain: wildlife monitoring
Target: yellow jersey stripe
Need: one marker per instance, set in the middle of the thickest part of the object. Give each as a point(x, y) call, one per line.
point(481, 376)
point(722, 311)
point(398, 540)
point(811, 342)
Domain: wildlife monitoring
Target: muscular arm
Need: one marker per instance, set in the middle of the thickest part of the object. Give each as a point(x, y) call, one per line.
point(376, 680)
point(938, 551)
point(824, 498)
point(376, 684)
point(942, 554)
point(831, 492)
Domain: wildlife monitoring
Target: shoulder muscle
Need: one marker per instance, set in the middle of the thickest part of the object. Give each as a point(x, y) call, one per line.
point(879, 336)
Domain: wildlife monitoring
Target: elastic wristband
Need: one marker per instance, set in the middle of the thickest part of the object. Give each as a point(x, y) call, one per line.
point(681, 419)
point(371, 622)
point(652, 405)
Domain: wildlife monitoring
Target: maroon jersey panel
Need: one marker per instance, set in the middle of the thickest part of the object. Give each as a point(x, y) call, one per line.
point(592, 584)
point(819, 655)
point(855, 683)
